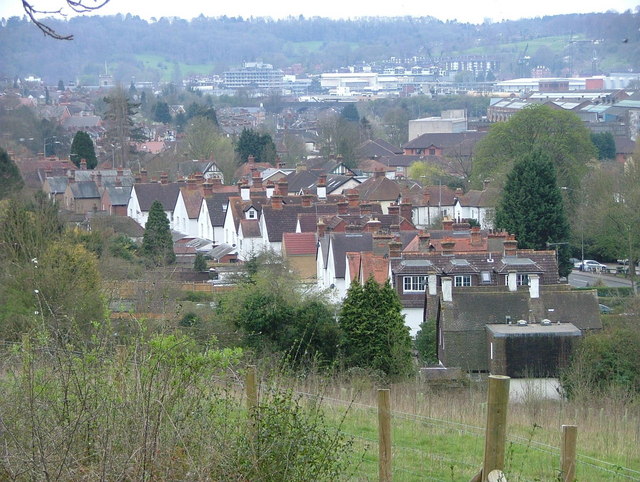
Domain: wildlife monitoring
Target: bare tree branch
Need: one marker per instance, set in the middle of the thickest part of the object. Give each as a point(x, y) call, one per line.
point(81, 6)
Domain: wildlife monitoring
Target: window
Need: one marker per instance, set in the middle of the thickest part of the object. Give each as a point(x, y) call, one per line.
point(522, 280)
point(486, 276)
point(462, 280)
point(251, 214)
point(414, 283)
point(432, 152)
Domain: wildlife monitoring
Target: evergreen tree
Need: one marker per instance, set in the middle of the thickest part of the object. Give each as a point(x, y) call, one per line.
point(532, 207)
point(374, 333)
point(10, 179)
point(161, 113)
point(606, 145)
point(200, 263)
point(350, 113)
point(252, 143)
point(157, 244)
point(82, 148)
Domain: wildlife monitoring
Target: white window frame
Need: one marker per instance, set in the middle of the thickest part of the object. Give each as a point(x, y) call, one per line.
point(462, 280)
point(411, 284)
point(521, 278)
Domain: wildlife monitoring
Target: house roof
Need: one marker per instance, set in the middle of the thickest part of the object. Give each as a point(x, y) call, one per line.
point(217, 207)
point(166, 194)
point(376, 266)
point(299, 244)
point(341, 243)
point(476, 198)
point(379, 188)
point(250, 228)
point(119, 195)
point(192, 200)
point(373, 165)
point(57, 184)
point(84, 190)
point(376, 148)
point(445, 140)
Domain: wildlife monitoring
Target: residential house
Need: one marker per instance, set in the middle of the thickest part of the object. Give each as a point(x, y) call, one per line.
point(380, 189)
point(450, 145)
point(81, 196)
point(375, 148)
point(331, 259)
point(144, 194)
point(188, 206)
point(299, 250)
point(115, 199)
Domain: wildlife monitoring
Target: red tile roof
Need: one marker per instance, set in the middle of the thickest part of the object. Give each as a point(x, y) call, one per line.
point(299, 244)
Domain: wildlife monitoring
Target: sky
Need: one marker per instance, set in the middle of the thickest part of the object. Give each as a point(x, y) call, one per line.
point(462, 11)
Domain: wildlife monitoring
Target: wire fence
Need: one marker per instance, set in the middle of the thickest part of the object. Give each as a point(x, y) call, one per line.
point(411, 461)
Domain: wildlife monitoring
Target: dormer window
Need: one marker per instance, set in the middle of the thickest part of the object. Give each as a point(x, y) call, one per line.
point(251, 213)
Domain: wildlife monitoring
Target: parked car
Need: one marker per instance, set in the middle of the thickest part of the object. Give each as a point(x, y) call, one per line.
point(604, 309)
point(591, 265)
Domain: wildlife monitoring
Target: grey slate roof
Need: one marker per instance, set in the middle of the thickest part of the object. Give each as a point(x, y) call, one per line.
point(119, 195)
point(166, 194)
point(376, 148)
point(84, 190)
point(217, 206)
point(57, 184)
point(341, 243)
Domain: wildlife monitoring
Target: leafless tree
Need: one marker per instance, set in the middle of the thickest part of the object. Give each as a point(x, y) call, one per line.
point(80, 6)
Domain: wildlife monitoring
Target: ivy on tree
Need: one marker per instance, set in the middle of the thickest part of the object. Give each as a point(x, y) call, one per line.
point(374, 333)
point(82, 148)
point(606, 145)
point(157, 244)
point(532, 208)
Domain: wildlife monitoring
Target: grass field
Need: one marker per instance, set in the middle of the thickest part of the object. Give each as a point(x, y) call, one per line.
point(439, 435)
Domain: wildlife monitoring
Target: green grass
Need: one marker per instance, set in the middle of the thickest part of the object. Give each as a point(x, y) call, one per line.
point(557, 43)
point(165, 66)
point(448, 445)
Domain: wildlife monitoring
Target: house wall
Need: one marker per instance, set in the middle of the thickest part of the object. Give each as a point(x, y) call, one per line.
point(303, 265)
point(413, 318)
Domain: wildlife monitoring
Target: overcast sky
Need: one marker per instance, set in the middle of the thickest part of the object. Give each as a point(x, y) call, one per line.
point(463, 11)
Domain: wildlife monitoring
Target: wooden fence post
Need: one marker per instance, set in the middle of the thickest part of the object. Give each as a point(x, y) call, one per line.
point(384, 435)
point(496, 430)
point(251, 388)
point(568, 452)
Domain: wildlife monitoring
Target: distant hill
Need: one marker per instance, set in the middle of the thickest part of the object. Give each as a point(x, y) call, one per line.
point(171, 48)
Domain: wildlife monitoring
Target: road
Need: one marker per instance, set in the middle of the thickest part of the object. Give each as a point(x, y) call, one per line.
point(581, 279)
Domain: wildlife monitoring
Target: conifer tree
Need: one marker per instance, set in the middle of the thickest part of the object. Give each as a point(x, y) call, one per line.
point(374, 333)
point(532, 207)
point(82, 148)
point(157, 244)
point(10, 179)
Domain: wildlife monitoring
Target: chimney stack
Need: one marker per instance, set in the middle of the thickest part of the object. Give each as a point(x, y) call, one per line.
point(425, 241)
point(251, 159)
point(207, 188)
point(276, 201)
point(372, 226)
point(395, 249)
point(216, 182)
point(447, 224)
point(83, 164)
point(143, 175)
point(192, 184)
point(406, 211)
point(270, 189)
point(394, 209)
point(164, 178)
point(256, 179)
point(245, 191)
point(447, 288)
point(283, 188)
point(510, 246)
point(321, 186)
point(476, 236)
point(381, 244)
point(306, 200)
point(343, 207)
point(379, 172)
point(321, 228)
point(352, 198)
point(365, 209)
point(448, 246)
